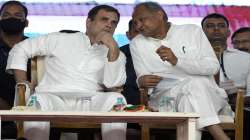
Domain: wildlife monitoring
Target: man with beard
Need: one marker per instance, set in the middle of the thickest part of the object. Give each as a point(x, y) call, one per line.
point(177, 63)
point(77, 66)
point(12, 23)
point(234, 64)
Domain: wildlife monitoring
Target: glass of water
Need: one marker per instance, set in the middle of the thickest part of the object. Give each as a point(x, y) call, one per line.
point(86, 103)
point(167, 104)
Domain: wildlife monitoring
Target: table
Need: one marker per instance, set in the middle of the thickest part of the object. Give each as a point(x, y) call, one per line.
point(185, 122)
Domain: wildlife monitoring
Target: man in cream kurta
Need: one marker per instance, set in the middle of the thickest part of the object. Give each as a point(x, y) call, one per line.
point(76, 67)
point(234, 64)
point(177, 61)
point(237, 68)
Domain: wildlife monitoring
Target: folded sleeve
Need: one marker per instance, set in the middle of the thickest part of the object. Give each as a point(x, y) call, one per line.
point(29, 48)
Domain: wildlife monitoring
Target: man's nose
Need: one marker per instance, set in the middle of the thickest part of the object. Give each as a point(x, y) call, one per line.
point(216, 27)
point(109, 24)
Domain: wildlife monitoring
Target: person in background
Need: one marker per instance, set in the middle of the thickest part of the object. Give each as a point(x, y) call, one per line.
point(235, 65)
point(77, 65)
point(13, 20)
point(241, 39)
point(177, 63)
point(232, 74)
point(130, 89)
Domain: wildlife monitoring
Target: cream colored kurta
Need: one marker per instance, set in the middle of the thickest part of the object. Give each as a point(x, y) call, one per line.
point(72, 63)
point(73, 69)
point(195, 89)
point(237, 68)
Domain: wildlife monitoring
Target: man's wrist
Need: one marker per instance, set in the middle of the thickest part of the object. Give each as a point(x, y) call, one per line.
point(113, 54)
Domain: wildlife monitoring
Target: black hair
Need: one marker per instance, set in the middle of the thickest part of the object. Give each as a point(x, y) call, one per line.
point(13, 2)
point(152, 6)
point(68, 31)
point(130, 24)
point(214, 15)
point(240, 30)
point(93, 12)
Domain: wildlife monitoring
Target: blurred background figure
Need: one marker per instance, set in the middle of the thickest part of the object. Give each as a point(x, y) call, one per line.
point(13, 20)
point(234, 64)
point(232, 74)
point(241, 39)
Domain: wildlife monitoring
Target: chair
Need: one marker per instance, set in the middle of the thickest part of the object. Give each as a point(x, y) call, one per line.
point(227, 123)
point(37, 69)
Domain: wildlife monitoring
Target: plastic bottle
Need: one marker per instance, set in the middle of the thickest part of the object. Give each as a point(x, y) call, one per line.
point(33, 103)
point(167, 104)
point(120, 105)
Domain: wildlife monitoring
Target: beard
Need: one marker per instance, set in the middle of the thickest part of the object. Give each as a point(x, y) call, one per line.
point(218, 40)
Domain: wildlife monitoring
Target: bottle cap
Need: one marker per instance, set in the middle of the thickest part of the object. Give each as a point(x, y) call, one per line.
point(33, 97)
point(120, 100)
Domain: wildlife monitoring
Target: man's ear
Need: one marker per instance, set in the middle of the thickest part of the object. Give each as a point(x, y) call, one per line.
point(128, 35)
point(88, 22)
point(160, 14)
point(26, 23)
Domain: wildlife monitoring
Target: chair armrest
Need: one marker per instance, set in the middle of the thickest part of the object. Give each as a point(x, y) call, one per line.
point(118, 89)
point(239, 112)
point(144, 96)
point(21, 89)
point(114, 89)
point(22, 94)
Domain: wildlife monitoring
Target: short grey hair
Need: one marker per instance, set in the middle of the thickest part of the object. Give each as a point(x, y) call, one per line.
point(153, 7)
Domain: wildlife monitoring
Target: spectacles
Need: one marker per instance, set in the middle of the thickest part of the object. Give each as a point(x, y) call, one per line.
point(214, 26)
point(238, 42)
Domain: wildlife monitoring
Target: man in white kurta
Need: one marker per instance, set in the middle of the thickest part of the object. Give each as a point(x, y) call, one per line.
point(237, 68)
point(177, 61)
point(241, 39)
point(234, 64)
point(76, 67)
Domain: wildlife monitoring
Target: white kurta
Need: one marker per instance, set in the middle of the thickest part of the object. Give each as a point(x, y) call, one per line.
point(196, 90)
point(237, 68)
point(73, 69)
point(72, 63)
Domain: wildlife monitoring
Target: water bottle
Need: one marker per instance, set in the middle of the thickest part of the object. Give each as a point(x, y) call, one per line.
point(34, 103)
point(167, 104)
point(120, 105)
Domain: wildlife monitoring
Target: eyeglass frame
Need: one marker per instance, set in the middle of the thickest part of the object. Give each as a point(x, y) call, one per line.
point(237, 42)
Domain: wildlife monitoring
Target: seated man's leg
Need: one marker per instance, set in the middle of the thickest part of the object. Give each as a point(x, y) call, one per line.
point(206, 99)
point(197, 95)
point(217, 132)
point(40, 130)
point(105, 102)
